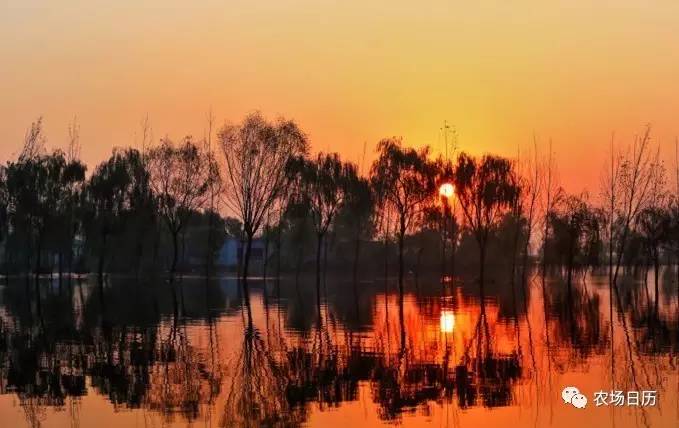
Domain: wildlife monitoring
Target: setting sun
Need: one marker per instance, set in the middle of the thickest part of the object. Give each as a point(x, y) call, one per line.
point(447, 190)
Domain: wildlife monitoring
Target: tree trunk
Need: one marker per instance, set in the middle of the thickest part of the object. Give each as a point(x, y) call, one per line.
point(401, 240)
point(298, 266)
point(357, 250)
point(246, 266)
point(482, 271)
point(678, 280)
point(266, 256)
point(571, 260)
point(326, 243)
point(656, 265)
point(279, 246)
point(69, 264)
point(175, 254)
point(386, 252)
point(443, 242)
point(102, 255)
point(246, 258)
point(319, 246)
point(183, 266)
point(453, 248)
point(137, 262)
point(38, 259)
point(61, 269)
point(208, 254)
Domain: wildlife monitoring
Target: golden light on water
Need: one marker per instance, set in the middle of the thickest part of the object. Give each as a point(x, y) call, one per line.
point(447, 190)
point(447, 322)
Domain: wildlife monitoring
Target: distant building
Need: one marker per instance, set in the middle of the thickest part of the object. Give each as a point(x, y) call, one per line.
point(233, 250)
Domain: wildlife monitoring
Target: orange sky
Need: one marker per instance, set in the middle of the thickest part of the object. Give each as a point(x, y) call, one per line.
point(349, 72)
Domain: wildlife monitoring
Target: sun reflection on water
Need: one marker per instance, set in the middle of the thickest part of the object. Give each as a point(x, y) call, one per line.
point(447, 323)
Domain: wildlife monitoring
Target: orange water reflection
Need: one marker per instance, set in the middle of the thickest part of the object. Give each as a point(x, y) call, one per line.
point(435, 357)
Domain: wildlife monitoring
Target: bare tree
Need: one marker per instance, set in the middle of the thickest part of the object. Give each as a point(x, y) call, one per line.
point(180, 177)
point(34, 141)
point(256, 153)
point(629, 187)
point(532, 185)
point(552, 197)
point(653, 221)
point(213, 191)
point(74, 147)
point(610, 185)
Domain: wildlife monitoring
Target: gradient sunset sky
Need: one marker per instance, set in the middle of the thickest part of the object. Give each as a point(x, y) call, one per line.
point(348, 71)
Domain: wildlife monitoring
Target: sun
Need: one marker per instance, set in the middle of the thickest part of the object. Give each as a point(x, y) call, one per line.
point(447, 190)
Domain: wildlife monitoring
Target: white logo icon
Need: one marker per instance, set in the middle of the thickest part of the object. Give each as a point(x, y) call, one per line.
point(579, 401)
point(568, 393)
point(571, 395)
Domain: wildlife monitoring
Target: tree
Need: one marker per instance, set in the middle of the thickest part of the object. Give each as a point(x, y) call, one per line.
point(531, 185)
point(67, 195)
point(672, 232)
point(4, 214)
point(322, 183)
point(486, 190)
point(405, 179)
point(575, 239)
point(36, 189)
point(180, 177)
point(627, 187)
point(118, 188)
point(552, 198)
point(653, 222)
point(213, 191)
point(256, 153)
point(442, 212)
point(356, 217)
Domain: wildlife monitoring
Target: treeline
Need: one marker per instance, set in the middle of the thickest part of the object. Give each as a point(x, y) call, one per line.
point(170, 207)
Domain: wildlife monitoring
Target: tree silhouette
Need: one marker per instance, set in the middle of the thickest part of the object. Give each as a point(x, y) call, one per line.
point(37, 194)
point(356, 217)
point(322, 184)
point(4, 216)
point(180, 177)
point(654, 227)
point(118, 187)
point(405, 179)
point(627, 190)
point(575, 239)
point(486, 190)
point(256, 153)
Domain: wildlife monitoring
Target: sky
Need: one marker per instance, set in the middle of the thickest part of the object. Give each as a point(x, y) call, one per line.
point(349, 72)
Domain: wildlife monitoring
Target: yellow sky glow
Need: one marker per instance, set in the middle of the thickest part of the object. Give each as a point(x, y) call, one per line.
point(349, 72)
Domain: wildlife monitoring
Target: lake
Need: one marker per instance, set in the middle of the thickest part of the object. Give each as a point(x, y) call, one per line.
point(137, 354)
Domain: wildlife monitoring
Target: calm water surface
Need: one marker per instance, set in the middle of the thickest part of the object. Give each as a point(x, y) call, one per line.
point(132, 357)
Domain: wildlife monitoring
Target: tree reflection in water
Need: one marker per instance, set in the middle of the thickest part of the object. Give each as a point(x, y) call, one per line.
point(277, 364)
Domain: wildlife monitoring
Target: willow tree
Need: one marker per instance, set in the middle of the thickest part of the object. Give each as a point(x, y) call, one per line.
point(486, 190)
point(256, 153)
point(117, 198)
point(356, 218)
point(576, 234)
point(405, 179)
point(322, 183)
point(627, 189)
point(180, 178)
